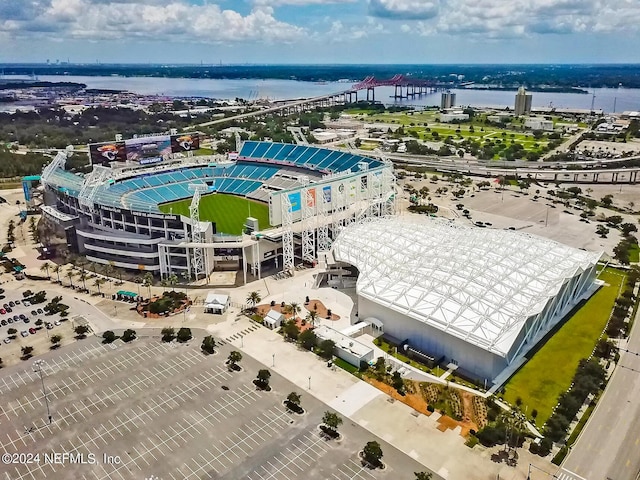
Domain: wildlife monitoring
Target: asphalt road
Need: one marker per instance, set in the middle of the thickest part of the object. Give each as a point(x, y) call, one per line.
point(609, 446)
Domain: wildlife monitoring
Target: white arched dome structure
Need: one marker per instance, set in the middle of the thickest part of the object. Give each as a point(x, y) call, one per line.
point(478, 297)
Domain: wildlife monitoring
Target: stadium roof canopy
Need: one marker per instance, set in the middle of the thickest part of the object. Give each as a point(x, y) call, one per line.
point(477, 284)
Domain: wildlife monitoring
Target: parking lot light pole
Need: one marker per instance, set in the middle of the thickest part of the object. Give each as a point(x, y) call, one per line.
point(273, 360)
point(38, 366)
point(309, 383)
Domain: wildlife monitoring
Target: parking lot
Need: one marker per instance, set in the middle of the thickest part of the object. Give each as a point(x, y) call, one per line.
point(166, 411)
point(23, 318)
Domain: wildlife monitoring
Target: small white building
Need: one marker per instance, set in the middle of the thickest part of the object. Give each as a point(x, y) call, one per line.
point(216, 303)
point(536, 123)
point(347, 348)
point(273, 319)
point(451, 115)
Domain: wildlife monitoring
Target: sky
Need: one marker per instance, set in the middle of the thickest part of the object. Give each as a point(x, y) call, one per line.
point(320, 31)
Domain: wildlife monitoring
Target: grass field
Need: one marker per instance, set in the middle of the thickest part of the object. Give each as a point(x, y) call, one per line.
point(550, 371)
point(227, 211)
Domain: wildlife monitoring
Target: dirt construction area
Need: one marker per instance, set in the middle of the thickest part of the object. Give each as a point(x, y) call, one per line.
point(167, 411)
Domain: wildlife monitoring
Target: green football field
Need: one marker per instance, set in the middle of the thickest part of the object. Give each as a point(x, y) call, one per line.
point(227, 211)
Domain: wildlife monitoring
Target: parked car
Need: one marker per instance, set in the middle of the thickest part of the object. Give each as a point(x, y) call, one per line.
point(7, 340)
point(26, 320)
point(57, 323)
point(9, 309)
point(12, 304)
point(24, 333)
point(3, 311)
point(3, 322)
point(34, 312)
point(5, 306)
point(32, 330)
point(26, 303)
point(48, 325)
point(22, 316)
point(10, 320)
point(17, 302)
point(40, 311)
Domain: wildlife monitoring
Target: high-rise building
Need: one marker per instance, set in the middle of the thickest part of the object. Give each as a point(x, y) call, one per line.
point(448, 100)
point(523, 102)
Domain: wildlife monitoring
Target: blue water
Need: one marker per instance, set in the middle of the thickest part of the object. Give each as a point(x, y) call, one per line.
point(624, 98)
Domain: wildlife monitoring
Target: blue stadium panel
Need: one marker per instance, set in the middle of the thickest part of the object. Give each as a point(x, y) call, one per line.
point(260, 150)
point(328, 160)
point(284, 153)
point(305, 155)
point(248, 148)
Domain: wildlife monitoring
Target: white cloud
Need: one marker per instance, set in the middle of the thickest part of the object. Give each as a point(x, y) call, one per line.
point(500, 18)
point(162, 20)
point(404, 9)
point(276, 3)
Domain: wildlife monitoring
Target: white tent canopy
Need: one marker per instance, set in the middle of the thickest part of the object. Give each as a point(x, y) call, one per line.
point(477, 284)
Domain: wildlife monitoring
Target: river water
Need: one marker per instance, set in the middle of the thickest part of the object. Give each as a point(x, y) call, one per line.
point(624, 99)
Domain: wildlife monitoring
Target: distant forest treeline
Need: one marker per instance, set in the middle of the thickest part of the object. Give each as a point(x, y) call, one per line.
point(584, 76)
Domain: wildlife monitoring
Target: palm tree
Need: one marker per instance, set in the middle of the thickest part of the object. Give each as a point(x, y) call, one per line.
point(108, 270)
point(147, 281)
point(56, 269)
point(164, 282)
point(83, 277)
point(70, 277)
point(45, 268)
point(293, 308)
point(97, 282)
point(173, 281)
point(253, 298)
point(312, 317)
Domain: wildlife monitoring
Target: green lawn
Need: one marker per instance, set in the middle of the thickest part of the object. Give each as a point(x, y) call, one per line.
point(634, 253)
point(227, 211)
point(544, 377)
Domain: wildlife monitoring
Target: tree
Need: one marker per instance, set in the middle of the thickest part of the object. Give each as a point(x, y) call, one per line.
point(307, 339)
point(12, 332)
point(39, 322)
point(147, 281)
point(55, 340)
point(83, 278)
point(208, 344)
point(26, 352)
point(109, 337)
point(70, 277)
point(312, 317)
point(607, 200)
point(372, 453)
point(293, 402)
point(45, 268)
point(168, 334)
point(56, 269)
point(233, 359)
point(628, 228)
point(81, 331)
point(293, 309)
point(262, 379)
point(397, 382)
point(602, 231)
point(97, 282)
point(184, 334)
point(1, 363)
point(173, 281)
point(332, 420)
point(326, 348)
point(128, 335)
point(291, 330)
point(422, 475)
point(252, 299)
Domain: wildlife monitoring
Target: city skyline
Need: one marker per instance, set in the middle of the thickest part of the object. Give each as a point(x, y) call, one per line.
point(319, 31)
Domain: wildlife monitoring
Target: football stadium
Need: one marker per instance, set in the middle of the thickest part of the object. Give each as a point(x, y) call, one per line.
point(150, 204)
point(475, 298)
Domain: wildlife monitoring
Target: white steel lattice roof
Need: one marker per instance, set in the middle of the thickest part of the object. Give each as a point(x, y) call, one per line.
point(477, 284)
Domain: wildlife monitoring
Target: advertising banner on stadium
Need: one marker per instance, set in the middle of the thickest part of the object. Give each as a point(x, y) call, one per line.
point(294, 198)
point(185, 143)
point(145, 148)
point(364, 181)
point(311, 198)
point(326, 193)
point(105, 153)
